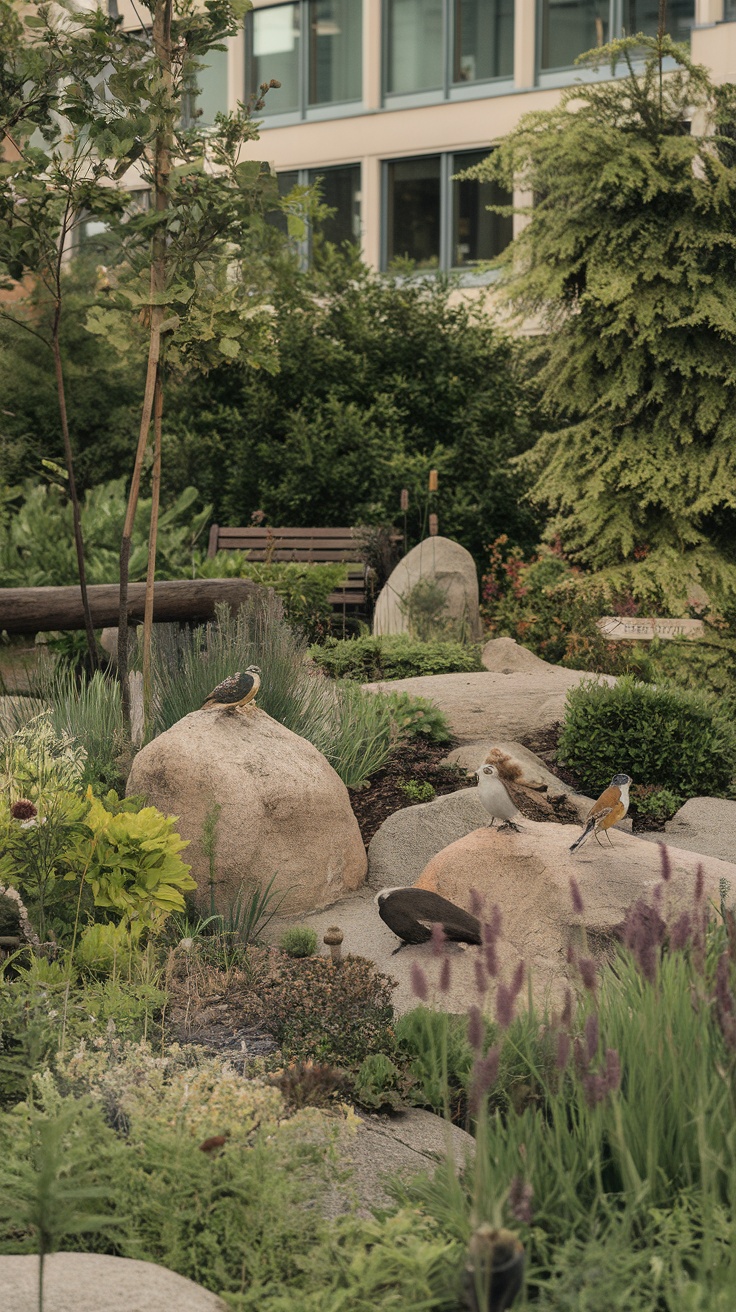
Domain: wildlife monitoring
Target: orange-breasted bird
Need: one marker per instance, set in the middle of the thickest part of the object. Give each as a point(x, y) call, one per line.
point(611, 807)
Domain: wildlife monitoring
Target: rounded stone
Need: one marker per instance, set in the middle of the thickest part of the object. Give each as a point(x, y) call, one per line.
point(444, 562)
point(284, 811)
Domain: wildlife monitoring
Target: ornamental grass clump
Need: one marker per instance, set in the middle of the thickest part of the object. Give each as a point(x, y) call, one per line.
point(608, 1119)
point(678, 740)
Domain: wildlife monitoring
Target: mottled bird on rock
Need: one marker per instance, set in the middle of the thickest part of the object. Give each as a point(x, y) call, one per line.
point(494, 797)
point(411, 912)
point(611, 807)
point(235, 692)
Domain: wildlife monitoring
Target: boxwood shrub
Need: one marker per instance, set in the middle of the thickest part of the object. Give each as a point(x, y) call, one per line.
point(677, 739)
point(397, 657)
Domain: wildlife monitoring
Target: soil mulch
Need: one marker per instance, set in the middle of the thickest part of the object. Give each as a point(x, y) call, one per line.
point(418, 762)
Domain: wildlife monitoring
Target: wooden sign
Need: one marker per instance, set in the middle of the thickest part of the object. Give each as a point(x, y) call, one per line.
point(637, 628)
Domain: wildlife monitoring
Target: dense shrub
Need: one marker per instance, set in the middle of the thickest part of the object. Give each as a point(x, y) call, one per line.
point(332, 1012)
point(679, 740)
point(368, 659)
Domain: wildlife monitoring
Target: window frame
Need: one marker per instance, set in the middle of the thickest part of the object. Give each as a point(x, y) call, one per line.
point(448, 168)
point(450, 90)
point(306, 113)
point(304, 245)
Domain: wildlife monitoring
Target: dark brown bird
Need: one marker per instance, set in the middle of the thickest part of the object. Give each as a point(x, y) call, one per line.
point(236, 691)
point(410, 914)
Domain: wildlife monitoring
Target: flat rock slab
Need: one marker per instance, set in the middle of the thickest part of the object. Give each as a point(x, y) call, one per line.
point(495, 706)
point(94, 1282)
point(404, 1144)
point(703, 824)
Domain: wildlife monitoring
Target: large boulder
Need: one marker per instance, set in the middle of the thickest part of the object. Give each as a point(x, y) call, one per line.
point(703, 824)
point(408, 839)
point(406, 1144)
point(284, 810)
point(444, 562)
point(89, 1282)
point(495, 706)
point(528, 876)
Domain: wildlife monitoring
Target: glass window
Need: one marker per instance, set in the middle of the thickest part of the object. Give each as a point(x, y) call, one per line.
point(415, 45)
point(570, 27)
point(477, 234)
point(284, 181)
point(643, 16)
point(340, 189)
point(211, 80)
point(275, 54)
point(484, 39)
point(414, 188)
point(335, 51)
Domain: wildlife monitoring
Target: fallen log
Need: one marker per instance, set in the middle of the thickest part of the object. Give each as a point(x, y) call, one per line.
point(39, 610)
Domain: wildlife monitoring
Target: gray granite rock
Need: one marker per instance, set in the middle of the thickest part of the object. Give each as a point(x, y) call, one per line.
point(94, 1282)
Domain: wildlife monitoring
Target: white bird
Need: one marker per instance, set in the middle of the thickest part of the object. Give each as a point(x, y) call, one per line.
point(495, 799)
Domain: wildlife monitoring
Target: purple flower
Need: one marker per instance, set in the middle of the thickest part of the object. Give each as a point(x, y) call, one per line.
point(699, 882)
point(520, 1200)
point(477, 902)
point(644, 932)
point(563, 1050)
point(439, 939)
point(517, 980)
point(445, 974)
point(586, 967)
point(578, 905)
point(591, 1035)
point(504, 1006)
point(491, 960)
point(681, 931)
point(566, 1016)
point(481, 979)
point(664, 857)
point(613, 1070)
point(475, 1028)
point(595, 1088)
point(496, 920)
point(418, 982)
point(485, 1073)
point(23, 809)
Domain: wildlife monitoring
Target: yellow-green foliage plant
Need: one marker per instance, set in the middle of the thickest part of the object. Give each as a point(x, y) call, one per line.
point(135, 869)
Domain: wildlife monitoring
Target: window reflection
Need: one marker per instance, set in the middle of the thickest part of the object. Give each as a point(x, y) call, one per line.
point(477, 234)
point(415, 45)
point(276, 40)
point(335, 51)
point(414, 211)
point(484, 39)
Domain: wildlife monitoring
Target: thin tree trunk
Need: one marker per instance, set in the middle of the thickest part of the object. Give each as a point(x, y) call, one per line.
point(161, 171)
point(78, 539)
point(158, 405)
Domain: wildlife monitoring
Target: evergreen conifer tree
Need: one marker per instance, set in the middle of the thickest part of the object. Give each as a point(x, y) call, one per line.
point(627, 261)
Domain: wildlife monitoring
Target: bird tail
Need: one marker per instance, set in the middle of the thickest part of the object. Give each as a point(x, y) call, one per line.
point(590, 826)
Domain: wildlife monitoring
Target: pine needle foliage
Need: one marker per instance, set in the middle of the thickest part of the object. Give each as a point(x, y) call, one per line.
point(627, 262)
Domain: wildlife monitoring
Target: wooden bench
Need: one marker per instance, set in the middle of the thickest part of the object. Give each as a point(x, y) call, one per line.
point(315, 546)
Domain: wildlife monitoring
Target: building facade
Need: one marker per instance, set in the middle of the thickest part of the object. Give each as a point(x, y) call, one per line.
point(385, 101)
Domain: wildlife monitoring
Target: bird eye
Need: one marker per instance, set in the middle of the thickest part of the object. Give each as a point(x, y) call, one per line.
point(488, 769)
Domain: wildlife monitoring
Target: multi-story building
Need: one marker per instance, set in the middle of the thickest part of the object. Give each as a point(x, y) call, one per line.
point(386, 100)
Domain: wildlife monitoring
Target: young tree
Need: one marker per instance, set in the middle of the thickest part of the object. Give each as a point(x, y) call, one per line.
point(51, 62)
point(627, 260)
point(200, 303)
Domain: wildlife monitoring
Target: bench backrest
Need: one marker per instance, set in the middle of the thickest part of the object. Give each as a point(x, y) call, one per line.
point(316, 545)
